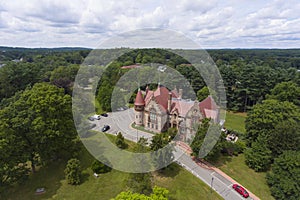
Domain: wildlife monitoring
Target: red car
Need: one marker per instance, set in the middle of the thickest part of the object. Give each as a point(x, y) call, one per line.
point(240, 190)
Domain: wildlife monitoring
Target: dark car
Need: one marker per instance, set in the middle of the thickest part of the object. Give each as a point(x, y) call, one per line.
point(91, 118)
point(104, 115)
point(240, 190)
point(105, 128)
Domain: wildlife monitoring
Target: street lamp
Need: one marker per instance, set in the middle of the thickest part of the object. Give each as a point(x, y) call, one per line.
point(211, 184)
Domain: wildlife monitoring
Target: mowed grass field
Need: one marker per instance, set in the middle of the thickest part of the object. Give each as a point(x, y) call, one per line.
point(235, 121)
point(236, 168)
point(181, 184)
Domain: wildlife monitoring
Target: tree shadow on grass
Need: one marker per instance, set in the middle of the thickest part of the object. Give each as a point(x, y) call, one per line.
point(89, 133)
point(48, 177)
point(170, 171)
point(222, 160)
point(84, 177)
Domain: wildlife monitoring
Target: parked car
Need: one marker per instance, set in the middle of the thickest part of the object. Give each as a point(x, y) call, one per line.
point(104, 115)
point(91, 118)
point(120, 109)
point(96, 117)
point(240, 190)
point(105, 128)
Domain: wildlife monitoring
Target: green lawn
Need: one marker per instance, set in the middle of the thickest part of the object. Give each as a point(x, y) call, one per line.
point(236, 168)
point(235, 121)
point(181, 184)
point(141, 128)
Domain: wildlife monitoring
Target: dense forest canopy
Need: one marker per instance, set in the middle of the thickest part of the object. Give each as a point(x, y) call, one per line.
point(35, 103)
point(248, 74)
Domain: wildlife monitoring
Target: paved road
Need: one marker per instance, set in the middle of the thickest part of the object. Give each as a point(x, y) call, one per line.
point(213, 179)
point(121, 122)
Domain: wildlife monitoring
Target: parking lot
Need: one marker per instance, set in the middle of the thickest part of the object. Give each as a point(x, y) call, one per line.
point(120, 121)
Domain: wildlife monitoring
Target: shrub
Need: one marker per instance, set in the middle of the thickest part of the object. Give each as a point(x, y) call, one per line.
point(73, 171)
point(100, 168)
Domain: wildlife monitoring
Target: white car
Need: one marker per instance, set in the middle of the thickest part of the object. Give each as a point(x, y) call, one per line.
point(96, 117)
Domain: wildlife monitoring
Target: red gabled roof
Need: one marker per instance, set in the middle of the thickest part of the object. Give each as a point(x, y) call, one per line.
point(208, 104)
point(161, 96)
point(182, 106)
point(139, 100)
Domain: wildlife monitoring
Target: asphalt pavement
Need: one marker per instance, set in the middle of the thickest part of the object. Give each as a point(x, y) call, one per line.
point(121, 122)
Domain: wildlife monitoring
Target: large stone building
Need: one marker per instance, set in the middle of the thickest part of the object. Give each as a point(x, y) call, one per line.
point(161, 109)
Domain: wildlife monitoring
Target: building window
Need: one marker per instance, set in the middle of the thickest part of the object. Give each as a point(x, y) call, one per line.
point(151, 125)
point(156, 126)
point(152, 115)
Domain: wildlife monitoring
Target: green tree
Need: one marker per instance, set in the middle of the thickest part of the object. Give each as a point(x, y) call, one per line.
point(157, 194)
point(139, 58)
point(13, 166)
point(141, 145)
point(284, 177)
point(285, 136)
point(64, 77)
point(131, 196)
point(104, 96)
point(73, 171)
point(160, 193)
point(120, 141)
point(213, 143)
point(262, 119)
point(259, 156)
point(203, 93)
point(40, 120)
point(286, 91)
point(140, 183)
point(158, 142)
point(99, 167)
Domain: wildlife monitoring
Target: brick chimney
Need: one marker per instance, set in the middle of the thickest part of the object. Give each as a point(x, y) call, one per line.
point(169, 102)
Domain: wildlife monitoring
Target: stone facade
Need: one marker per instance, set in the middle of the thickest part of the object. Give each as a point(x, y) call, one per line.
point(161, 109)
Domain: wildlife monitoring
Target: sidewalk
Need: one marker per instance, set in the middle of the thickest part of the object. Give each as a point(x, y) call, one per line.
point(206, 165)
point(234, 182)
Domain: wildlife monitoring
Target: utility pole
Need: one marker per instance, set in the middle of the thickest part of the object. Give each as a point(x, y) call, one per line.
point(211, 184)
point(211, 188)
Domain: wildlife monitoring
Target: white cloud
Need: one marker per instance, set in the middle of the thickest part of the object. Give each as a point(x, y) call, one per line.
point(225, 23)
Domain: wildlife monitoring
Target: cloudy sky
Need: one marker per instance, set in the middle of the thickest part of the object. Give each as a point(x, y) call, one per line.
point(210, 23)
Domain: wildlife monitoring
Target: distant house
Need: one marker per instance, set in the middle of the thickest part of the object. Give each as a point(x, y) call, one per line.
point(161, 109)
point(130, 66)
